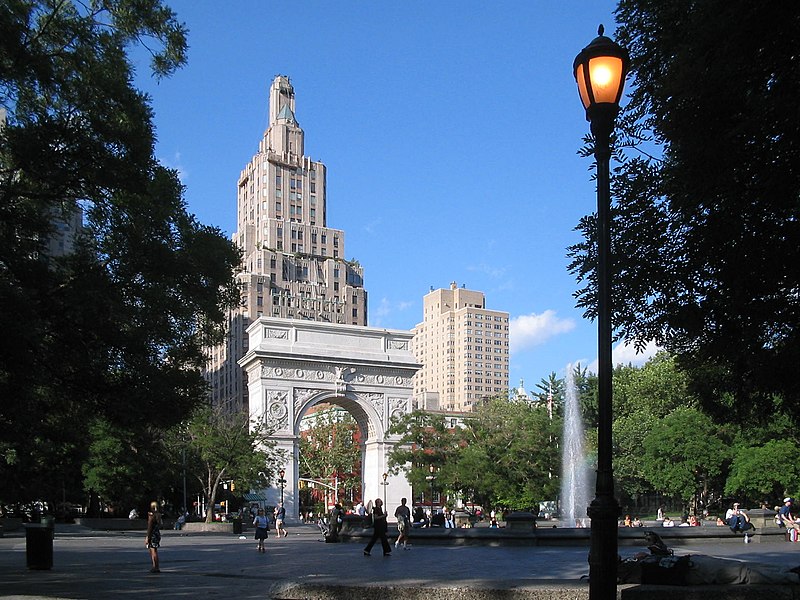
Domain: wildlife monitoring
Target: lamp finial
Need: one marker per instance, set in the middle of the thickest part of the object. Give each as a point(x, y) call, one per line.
point(601, 30)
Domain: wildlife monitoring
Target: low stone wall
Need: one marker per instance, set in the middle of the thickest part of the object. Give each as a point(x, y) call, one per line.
point(217, 527)
point(543, 591)
point(106, 524)
point(558, 536)
point(10, 524)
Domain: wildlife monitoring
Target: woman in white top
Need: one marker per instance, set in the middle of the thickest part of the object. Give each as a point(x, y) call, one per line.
point(262, 527)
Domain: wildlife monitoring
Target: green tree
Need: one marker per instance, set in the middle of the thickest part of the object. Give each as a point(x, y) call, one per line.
point(114, 330)
point(427, 440)
point(222, 447)
point(682, 453)
point(768, 472)
point(329, 448)
point(551, 393)
point(128, 470)
point(706, 237)
point(511, 457)
point(643, 396)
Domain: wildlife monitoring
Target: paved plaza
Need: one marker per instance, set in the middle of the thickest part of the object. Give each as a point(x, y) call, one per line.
point(91, 565)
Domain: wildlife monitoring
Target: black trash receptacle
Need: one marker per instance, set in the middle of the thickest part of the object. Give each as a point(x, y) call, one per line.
point(39, 546)
point(237, 526)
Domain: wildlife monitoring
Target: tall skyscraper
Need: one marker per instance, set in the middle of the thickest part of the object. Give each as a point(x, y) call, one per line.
point(294, 265)
point(463, 348)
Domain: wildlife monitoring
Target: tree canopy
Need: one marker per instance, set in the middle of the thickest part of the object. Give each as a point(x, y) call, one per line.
point(706, 226)
point(329, 449)
point(114, 328)
point(506, 453)
point(225, 447)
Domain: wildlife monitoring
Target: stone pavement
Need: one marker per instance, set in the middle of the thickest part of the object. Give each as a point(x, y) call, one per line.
point(99, 565)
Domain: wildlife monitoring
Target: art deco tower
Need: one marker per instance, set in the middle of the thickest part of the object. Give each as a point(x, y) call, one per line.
point(294, 265)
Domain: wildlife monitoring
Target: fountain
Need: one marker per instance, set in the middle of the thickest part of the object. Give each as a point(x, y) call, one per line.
point(575, 490)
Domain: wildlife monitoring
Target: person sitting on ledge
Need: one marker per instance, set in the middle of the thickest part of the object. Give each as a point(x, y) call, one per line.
point(737, 519)
point(788, 519)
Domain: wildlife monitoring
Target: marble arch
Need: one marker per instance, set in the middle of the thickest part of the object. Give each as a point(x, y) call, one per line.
point(292, 365)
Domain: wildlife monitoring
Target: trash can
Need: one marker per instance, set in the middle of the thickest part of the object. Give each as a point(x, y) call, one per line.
point(237, 526)
point(39, 546)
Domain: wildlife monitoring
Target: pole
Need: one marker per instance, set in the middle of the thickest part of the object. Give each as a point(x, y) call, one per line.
point(604, 509)
point(430, 523)
point(185, 506)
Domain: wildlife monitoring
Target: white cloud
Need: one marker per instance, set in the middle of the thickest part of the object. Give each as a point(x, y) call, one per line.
point(625, 354)
point(386, 308)
point(372, 227)
point(531, 330)
point(176, 164)
point(488, 270)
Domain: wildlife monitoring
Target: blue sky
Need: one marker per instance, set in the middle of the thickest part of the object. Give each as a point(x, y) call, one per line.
point(450, 131)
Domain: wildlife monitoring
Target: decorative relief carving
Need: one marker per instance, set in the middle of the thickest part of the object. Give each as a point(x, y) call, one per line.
point(398, 344)
point(376, 400)
point(277, 414)
point(276, 334)
point(398, 407)
point(338, 374)
point(301, 395)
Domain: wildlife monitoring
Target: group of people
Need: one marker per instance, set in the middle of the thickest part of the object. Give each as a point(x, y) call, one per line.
point(380, 526)
point(686, 521)
point(631, 522)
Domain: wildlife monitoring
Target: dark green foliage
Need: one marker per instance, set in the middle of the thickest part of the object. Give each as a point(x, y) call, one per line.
point(706, 237)
point(111, 333)
point(682, 451)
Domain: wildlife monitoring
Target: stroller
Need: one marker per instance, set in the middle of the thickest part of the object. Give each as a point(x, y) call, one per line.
point(329, 534)
point(324, 528)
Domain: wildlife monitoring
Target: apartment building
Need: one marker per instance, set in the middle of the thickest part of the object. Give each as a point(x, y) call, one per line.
point(463, 348)
point(294, 264)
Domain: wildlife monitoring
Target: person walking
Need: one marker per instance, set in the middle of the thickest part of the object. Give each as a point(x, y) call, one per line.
point(379, 530)
point(403, 515)
point(261, 523)
point(280, 517)
point(153, 538)
point(337, 514)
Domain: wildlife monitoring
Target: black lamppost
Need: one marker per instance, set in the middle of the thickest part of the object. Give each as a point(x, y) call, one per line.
point(282, 482)
point(600, 70)
point(384, 483)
